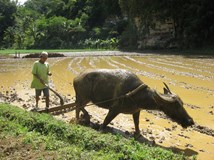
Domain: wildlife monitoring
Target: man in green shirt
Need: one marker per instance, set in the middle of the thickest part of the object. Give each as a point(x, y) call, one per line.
point(40, 73)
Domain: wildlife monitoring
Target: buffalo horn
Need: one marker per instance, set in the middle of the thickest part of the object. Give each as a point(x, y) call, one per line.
point(163, 98)
point(167, 87)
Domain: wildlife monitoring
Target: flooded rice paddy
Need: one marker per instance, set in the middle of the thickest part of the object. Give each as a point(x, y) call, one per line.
point(191, 77)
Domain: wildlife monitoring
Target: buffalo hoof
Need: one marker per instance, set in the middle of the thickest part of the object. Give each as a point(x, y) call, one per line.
point(102, 129)
point(34, 109)
point(105, 129)
point(137, 135)
point(83, 120)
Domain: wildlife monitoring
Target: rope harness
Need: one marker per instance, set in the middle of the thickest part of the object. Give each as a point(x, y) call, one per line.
point(127, 95)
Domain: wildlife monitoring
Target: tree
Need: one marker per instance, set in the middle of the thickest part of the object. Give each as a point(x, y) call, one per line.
point(193, 19)
point(7, 16)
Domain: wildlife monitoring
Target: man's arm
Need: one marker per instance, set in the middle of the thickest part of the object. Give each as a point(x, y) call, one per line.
point(40, 79)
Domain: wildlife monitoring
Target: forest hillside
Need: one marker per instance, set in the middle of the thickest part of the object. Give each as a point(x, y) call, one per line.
point(107, 24)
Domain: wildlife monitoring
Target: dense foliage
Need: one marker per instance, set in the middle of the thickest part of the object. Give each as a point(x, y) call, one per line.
point(192, 19)
point(56, 24)
point(72, 141)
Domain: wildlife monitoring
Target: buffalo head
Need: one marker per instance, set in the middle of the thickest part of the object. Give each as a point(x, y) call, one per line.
point(172, 106)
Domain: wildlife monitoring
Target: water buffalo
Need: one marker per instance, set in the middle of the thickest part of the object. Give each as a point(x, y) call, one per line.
point(121, 91)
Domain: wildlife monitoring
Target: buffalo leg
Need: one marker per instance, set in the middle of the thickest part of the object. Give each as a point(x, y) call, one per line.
point(85, 119)
point(136, 121)
point(110, 116)
point(80, 104)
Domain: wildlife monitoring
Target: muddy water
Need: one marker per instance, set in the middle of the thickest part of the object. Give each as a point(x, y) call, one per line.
point(192, 78)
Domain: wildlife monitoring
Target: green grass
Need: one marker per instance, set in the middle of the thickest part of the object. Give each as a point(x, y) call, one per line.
point(13, 51)
point(71, 141)
point(205, 51)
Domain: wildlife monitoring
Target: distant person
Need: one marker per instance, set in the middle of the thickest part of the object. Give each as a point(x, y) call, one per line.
point(40, 73)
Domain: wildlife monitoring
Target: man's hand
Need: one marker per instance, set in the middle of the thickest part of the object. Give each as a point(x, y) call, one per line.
point(49, 73)
point(41, 81)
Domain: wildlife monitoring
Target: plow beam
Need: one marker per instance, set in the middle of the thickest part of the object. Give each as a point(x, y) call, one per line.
point(59, 109)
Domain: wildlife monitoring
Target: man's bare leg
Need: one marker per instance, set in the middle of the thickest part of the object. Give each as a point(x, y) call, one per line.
point(37, 101)
point(47, 102)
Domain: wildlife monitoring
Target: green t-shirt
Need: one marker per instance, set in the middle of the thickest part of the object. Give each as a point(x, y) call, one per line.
point(42, 71)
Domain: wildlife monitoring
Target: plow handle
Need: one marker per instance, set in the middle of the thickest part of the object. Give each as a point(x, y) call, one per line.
point(57, 94)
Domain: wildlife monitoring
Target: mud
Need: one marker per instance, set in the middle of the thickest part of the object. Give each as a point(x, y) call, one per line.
point(14, 148)
point(191, 77)
point(12, 97)
point(204, 130)
point(36, 55)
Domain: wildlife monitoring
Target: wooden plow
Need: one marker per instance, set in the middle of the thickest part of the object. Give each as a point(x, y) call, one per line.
point(59, 109)
point(64, 108)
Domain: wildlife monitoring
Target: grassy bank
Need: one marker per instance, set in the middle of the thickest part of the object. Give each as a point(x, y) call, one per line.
point(203, 51)
point(13, 51)
point(44, 135)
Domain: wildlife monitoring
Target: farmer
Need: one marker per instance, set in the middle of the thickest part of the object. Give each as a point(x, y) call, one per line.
point(40, 73)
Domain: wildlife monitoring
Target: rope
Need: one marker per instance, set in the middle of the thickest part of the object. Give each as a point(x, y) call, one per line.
point(127, 95)
point(73, 108)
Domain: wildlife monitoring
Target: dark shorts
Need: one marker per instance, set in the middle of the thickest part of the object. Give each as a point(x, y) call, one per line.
point(45, 92)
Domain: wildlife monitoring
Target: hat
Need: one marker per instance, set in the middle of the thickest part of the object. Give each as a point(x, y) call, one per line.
point(44, 54)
